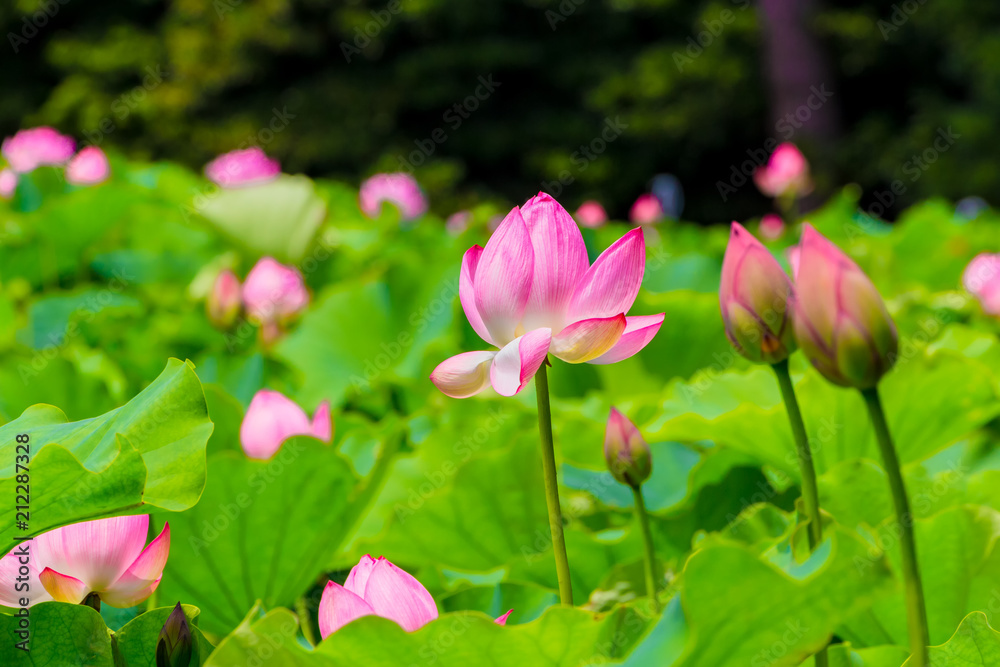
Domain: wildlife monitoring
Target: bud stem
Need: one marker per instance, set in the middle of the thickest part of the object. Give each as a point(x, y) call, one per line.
point(916, 611)
point(647, 538)
point(93, 600)
point(305, 622)
point(552, 486)
point(810, 489)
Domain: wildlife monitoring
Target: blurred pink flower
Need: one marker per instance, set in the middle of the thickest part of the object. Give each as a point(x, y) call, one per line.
point(273, 418)
point(532, 291)
point(772, 227)
point(591, 214)
point(646, 210)
point(793, 253)
point(786, 172)
point(225, 300)
point(399, 189)
point(982, 280)
point(458, 222)
point(376, 587)
point(250, 166)
point(36, 147)
point(88, 167)
point(105, 556)
point(274, 292)
point(625, 451)
point(8, 182)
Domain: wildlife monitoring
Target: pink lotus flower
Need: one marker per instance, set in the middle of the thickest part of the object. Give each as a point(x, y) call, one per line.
point(225, 300)
point(105, 557)
point(786, 172)
point(772, 227)
point(982, 280)
point(592, 214)
point(840, 320)
point(794, 253)
point(29, 149)
point(400, 190)
point(239, 168)
point(754, 295)
point(88, 167)
point(646, 210)
point(378, 588)
point(458, 222)
point(274, 292)
point(625, 451)
point(531, 291)
point(273, 418)
point(8, 182)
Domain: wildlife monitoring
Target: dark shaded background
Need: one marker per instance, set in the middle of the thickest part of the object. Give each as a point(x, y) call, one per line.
point(187, 79)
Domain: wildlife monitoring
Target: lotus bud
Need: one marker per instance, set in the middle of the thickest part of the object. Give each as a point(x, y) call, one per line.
point(786, 173)
point(646, 210)
point(772, 227)
point(591, 214)
point(841, 322)
point(625, 451)
point(754, 295)
point(88, 167)
point(225, 300)
point(176, 647)
point(982, 280)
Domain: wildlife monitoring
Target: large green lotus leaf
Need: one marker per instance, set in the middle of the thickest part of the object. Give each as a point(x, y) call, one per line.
point(741, 610)
point(71, 634)
point(528, 601)
point(149, 453)
point(562, 637)
point(844, 655)
point(744, 411)
point(279, 218)
point(974, 644)
point(959, 567)
point(263, 530)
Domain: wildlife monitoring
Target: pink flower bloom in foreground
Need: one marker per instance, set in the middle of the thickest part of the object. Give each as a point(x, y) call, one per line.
point(88, 167)
point(401, 190)
point(786, 172)
point(273, 418)
point(273, 291)
point(250, 166)
point(8, 183)
point(772, 227)
point(646, 210)
point(592, 214)
point(841, 323)
point(982, 279)
point(376, 587)
point(532, 291)
point(105, 556)
point(625, 451)
point(36, 147)
point(754, 295)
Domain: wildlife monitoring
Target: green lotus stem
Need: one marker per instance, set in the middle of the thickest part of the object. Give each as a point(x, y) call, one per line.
point(916, 610)
point(93, 600)
point(552, 486)
point(302, 610)
point(650, 554)
point(810, 489)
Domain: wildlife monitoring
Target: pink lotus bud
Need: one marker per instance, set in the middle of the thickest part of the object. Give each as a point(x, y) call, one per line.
point(273, 418)
point(104, 557)
point(841, 322)
point(37, 147)
point(591, 214)
point(225, 300)
point(458, 222)
point(982, 280)
point(793, 253)
point(274, 292)
point(754, 295)
point(786, 172)
point(772, 227)
point(625, 451)
point(401, 190)
point(240, 168)
point(88, 167)
point(8, 183)
point(646, 210)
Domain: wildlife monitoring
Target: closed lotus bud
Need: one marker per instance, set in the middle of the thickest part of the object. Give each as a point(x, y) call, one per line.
point(625, 451)
point(754, 296)
point(225, 300)
point(176, 647)
point(840, 320)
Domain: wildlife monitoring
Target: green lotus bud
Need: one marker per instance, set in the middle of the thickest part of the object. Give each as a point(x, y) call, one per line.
point(625, 451)
point(176, 647)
